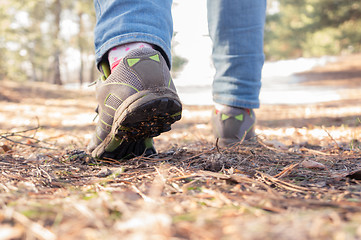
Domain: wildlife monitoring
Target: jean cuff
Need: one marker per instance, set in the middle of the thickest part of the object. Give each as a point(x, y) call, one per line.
point(161, 46)
point(234, 102)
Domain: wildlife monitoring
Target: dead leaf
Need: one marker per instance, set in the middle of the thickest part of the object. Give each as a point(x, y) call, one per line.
point(6, 148)
point(313, 165)
point(30, 142)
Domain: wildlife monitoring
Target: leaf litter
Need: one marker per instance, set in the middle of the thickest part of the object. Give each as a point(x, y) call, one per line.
point(266, 188)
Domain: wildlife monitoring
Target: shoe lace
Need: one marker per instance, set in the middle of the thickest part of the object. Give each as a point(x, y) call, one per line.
point(93, 83)
point(97, 113)
point(101, 78)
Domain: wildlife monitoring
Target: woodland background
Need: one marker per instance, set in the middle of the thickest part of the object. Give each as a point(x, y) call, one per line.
point(38, 36)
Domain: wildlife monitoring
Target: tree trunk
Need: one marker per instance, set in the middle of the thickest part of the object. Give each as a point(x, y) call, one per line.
point(57, 74)
point(34, 76)
point(81, 47)
point(92, 71)
point(57, 14)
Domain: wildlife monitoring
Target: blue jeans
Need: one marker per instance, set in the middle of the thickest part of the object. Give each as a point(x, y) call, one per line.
point(235, 27)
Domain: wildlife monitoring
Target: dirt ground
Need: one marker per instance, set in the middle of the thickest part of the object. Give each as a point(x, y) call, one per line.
point(299, 179)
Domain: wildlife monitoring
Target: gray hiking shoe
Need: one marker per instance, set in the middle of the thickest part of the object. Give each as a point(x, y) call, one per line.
point(232, 125)
point(137, 101)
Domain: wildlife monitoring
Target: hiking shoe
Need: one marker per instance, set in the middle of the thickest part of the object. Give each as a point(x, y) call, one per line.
point(137, 101)
point(232, 125)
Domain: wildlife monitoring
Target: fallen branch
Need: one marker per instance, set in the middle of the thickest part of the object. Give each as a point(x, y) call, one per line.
point(26, 144)
point(286, 170)
point(19, 134)
point(338, 147)
point(283, 184)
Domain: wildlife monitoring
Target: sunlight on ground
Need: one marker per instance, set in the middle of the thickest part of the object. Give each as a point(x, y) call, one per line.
point(302, 135)
point(78, 120)
point(196, 114)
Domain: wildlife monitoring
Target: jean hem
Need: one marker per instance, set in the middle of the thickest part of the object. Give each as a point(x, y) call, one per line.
point(236, 103)
point(133, 37)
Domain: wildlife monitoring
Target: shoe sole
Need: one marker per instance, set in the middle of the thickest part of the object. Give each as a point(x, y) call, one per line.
point(150, 119)
point(143, 115)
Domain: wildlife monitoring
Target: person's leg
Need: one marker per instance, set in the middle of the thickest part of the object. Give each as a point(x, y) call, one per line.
point(137, 98)
point(126, 21)
point(236, 28)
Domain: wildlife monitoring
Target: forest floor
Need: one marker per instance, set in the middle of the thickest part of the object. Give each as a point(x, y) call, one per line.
point(300, 179)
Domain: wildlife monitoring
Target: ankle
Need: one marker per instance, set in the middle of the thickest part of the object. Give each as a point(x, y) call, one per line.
point(222, 107)
point(117, 53)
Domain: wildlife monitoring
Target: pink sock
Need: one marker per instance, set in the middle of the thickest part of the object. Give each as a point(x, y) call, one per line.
point(220, 107)
point(119, 52)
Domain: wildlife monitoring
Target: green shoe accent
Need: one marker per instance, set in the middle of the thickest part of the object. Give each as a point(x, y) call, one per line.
point(132, 61)
point(99, 138)
point(239, 117)
point(250, 128)
point(170, 80)
point(155, 58)
point(123, 128)
point(224, 117)
point(176, 114)
point(106, 124)
point(106, 69)
point(114, 143)
point(105, 102)
point(148, 143)
point(124, 84)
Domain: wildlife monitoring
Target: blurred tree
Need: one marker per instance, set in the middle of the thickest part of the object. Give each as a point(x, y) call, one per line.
point(32, 45)
point(85, 14)
point(19, 37)
point(4, 28)
point(178, 62)
point(35, 41)
point(56, 10)
point(313, 28)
